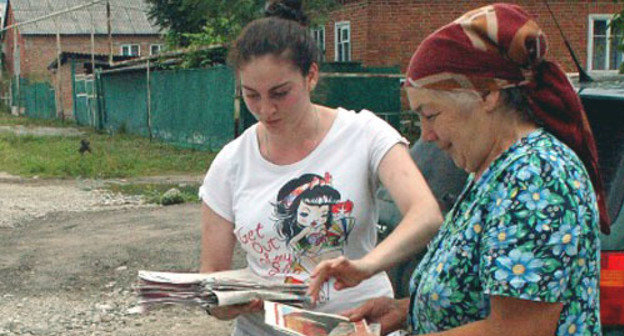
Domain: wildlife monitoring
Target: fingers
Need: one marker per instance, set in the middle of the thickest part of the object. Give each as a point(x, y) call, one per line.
point(318, 277)
point(359, 313)
point(322, 272)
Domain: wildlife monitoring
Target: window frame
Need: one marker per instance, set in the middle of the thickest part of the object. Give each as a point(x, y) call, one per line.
point(320, 44)
point(160, 48)
point(591, 19)
point(129, 46)
point(338, 27)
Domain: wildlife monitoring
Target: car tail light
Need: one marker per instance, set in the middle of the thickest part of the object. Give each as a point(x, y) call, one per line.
point(612, 288)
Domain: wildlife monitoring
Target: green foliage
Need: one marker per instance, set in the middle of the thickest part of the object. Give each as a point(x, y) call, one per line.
point(185, 17)
point(111, 156)
point(202, 58)
point(198, 23)
point(617, 25)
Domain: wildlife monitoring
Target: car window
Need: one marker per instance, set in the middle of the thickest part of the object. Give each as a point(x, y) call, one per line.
point(606, 117)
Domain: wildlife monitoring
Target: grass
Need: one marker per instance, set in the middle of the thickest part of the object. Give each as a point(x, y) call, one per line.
point(8, 119)
point(153, 192)
point(118, 156)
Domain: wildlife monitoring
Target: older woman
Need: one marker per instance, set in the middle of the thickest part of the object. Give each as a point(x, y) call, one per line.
point(519, 252)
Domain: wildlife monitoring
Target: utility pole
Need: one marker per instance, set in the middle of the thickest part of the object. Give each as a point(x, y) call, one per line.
point(17, 71)
point(110, 33)
point(59, 94)
point(92, 42)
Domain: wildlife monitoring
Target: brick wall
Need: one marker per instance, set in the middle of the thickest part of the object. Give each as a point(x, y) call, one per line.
point(9, 44)
point(357, 14)
point(38, 51)
point(41, 51)
point(386, 32)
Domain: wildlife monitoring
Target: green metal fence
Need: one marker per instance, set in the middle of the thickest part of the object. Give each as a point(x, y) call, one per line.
point(196, 107)
point(36, 98)
point(354, 87)
point(190, 108)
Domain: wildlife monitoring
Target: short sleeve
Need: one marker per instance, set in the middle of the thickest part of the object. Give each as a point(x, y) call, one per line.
point(531, 233)
point(381, 138)
point(216, 191)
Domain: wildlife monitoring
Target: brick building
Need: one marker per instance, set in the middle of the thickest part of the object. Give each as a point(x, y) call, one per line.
point(386, 32)
point(132, 35)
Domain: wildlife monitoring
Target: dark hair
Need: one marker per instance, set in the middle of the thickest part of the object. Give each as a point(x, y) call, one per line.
point(517, 99)
point(282, 34)
point(286, 9)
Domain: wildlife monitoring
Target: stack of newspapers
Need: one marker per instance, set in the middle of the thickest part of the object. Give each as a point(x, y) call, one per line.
point(208, 290)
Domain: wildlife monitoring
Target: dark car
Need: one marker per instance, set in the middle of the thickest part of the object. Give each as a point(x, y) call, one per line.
point(605, 109)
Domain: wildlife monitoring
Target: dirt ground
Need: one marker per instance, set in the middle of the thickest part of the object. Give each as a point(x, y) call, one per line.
point(69, 256)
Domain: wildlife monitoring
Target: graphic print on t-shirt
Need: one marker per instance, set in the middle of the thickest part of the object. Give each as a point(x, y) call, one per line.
point(312, 220)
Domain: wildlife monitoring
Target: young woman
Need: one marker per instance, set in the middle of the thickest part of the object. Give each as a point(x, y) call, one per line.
point(298, 186)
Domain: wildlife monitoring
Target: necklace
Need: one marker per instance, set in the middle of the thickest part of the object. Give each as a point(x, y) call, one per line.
point(315, 137)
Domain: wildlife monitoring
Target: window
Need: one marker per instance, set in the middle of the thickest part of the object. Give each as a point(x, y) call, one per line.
point(343, 42)
point(603, 52)
point(318, 34)
point(155, 49)
point(130, 50)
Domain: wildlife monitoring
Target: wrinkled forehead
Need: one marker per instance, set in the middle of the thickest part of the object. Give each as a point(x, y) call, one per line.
point(423, 97)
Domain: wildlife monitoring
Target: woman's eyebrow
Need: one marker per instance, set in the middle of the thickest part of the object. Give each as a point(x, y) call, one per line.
point(276, 87)
point(279, 86)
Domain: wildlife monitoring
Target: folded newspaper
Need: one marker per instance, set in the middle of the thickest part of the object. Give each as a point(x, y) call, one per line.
point(301, 322)
point(209, 290)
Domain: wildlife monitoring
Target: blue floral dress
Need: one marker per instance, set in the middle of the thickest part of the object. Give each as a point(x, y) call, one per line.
point(528, 229)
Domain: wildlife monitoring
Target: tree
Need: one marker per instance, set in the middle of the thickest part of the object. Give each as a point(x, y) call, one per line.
point(617, 26)
point(201, 22)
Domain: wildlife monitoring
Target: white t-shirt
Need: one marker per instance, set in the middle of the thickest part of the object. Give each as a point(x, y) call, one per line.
point(289, 217)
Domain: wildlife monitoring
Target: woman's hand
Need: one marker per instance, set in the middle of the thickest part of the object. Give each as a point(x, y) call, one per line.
point(233, 311)
point(390, 313)
point(348, 273)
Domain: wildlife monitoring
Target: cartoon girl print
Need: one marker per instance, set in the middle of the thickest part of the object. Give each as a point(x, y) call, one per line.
point(312, 221)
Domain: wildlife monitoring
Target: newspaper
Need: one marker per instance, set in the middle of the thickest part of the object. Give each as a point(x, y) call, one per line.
point(301, 322)
point(208, 290)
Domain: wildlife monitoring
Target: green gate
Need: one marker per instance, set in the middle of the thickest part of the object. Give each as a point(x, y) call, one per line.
point(37, 98)
point(85, 101)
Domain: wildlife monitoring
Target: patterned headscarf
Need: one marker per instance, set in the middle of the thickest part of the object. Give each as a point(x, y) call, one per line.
point(499, 46)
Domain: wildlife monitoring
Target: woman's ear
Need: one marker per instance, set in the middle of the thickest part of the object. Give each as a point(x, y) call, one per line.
point(313, 76)
point(492, 100)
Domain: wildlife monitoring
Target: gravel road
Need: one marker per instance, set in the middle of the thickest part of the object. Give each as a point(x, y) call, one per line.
point(70, 252)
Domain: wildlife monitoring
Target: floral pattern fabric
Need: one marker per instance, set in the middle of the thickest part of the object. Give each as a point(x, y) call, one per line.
point(527, 229)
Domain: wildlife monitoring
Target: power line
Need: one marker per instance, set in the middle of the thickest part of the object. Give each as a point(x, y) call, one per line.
point(67, 10)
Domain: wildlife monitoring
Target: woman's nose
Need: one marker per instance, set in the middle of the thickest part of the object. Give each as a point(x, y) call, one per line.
point(267, 108)
point(426, 132)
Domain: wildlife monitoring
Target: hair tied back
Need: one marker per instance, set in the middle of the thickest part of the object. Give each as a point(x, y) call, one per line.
point(286, 9)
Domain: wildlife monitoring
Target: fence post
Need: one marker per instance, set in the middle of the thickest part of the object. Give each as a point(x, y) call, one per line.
point(149, 102)
point(73, 81)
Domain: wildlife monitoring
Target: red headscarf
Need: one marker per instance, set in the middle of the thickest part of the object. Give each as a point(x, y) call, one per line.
point(500, 46)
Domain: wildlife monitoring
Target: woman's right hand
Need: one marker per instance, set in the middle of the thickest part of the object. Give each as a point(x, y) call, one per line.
point(230, 312)
point(348, 273)
point(391, 314)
